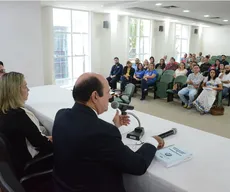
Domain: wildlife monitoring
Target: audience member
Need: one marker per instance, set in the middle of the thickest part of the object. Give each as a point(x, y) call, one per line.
point(225, 79)
point(127, 77)
point(89, 154)
point(189, 57)
point(115, 73)
point(223, 61)
point(146, 64)
point(193, 59)
point(184, 59)
point(200, 58)
point(206, 65)
point(193, 83)
point(2, 69)
point(172, 65)
point(211, 85)
point(217, 64)
point(190, 69)
point(20, 126)
point(138, 75)
point(137, 61)
point(181, 71)
point(151, 60)
point(161, 65)
point(149, 79)
point(222, 70)
point(165, 58)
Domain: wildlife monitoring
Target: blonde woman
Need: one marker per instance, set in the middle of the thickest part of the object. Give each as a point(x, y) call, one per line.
point(19, 125)
point(146, 64)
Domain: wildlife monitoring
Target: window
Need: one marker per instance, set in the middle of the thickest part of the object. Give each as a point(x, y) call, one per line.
point(139, 38)
point(182, 41)
point(71, 45)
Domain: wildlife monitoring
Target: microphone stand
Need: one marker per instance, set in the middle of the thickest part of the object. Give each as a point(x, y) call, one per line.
point(138, 131)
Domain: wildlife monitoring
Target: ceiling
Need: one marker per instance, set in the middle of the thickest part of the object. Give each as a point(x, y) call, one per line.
point(197, 9)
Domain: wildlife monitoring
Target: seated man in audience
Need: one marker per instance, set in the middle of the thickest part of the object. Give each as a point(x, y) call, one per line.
point(127, 77)
point(205, 66)
point(115, 73)
point(172, 65)
point(200, 58)
point(193, 83)
point(223, 61)
point(184, 59)
point(149, 79)
point(165, 58)
point(225, 79)
point(2, 69)
point(137, 61)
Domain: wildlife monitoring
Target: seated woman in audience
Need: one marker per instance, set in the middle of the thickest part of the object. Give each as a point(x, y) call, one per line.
point(217, 64)
point(151, 60)
point(149, 79)
point(161, 65)
point(172, 65)
point(146, 64)
point(127, 77)
point(222, 70)
point(190, 69)
point(181, 71)
point(19, 125)
point(211, 85)
point(138, 75)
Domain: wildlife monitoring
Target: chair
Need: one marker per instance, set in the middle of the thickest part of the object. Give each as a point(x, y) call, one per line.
point(126, 96)
point(162, 86)
point(34, 182)
point(181, 80)
point(159, 74)
point(171, 72)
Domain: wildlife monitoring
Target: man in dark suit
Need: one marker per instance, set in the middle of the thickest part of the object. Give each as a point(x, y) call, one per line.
point(89, 155)
point(115, 73)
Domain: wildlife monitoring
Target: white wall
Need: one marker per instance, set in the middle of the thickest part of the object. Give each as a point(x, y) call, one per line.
point(21, 39)
point(216, 41)
point(107, 43)
point(196, 40)
point(164, 41)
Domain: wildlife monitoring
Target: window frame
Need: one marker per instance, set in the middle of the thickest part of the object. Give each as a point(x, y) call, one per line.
point(139, 53)
point(84, 56)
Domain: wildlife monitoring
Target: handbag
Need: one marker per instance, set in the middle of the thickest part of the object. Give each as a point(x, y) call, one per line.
point(217, 110)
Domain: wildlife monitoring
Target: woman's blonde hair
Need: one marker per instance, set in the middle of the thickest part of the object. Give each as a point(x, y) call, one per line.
point(10, 91)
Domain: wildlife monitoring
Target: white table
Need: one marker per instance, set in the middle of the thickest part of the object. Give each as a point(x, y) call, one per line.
point(208, 171)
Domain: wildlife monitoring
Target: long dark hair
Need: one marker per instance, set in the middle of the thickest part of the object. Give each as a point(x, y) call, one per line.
point(142, 68)
point(209, 76)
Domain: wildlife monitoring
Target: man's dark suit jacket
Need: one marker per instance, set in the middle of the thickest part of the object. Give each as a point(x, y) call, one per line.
point(89, 155)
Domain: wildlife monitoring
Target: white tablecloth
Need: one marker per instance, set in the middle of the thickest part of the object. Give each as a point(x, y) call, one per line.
point(208, 171)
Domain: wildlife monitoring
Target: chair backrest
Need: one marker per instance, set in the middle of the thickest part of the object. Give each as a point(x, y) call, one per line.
point(180, 79)
point(8, 181)
point(171, 72)
point(129, 90)
point(166, 78)
point(159, 71)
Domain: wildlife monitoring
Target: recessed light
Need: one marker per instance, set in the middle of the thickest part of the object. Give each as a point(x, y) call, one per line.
point(158, 4)
point(206, 15)
point(186, 11)
point(225, 20)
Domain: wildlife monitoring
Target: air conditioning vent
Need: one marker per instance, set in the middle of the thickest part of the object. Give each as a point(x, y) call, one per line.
point(170, 7)
point(214, 17)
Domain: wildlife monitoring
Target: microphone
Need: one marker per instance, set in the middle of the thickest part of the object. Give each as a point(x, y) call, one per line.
point(173, 131)
point(121, 106)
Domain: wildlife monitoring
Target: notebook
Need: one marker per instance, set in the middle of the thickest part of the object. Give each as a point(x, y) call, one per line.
point(172, 155)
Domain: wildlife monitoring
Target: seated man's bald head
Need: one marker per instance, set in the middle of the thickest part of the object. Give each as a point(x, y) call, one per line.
point(86, 84)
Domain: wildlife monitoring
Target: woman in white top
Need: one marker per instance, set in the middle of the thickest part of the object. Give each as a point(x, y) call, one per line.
point(181, 71)
point(211, 85)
